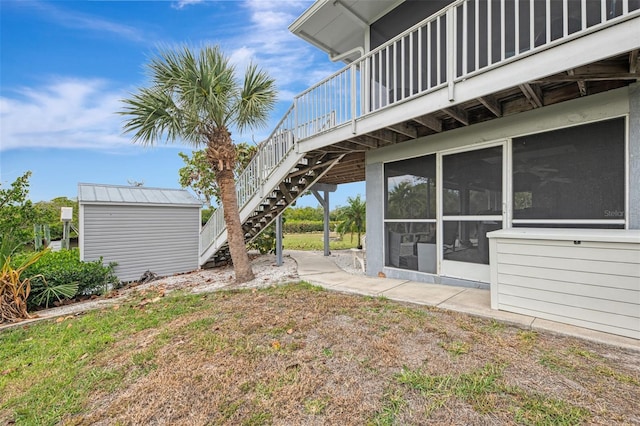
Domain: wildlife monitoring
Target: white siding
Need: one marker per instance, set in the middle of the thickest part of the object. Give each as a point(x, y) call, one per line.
point(162, 239)
point(592, 284)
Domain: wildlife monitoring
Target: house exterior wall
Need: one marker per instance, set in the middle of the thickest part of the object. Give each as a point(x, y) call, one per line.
point(406, 15)
point(634, 156)
point(375, 216)
point(603, 106)
point(589, 278)
point(161, 239)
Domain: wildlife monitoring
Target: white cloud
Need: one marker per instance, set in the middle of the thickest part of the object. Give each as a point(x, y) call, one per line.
point(294, 64)
point(81, 113)
point(72, 19)
point(68, 113)
point(242, 57)
point(183, 3)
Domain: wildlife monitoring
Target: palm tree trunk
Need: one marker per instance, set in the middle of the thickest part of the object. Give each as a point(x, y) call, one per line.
point(222, 156)
point(235, 235)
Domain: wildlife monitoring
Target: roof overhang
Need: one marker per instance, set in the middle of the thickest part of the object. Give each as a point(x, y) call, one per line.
point(340, 27)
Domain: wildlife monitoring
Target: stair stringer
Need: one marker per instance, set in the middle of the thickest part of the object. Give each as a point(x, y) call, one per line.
point(269, 200)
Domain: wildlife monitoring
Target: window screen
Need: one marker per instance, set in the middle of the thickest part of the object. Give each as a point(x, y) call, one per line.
point(411, 188)
point(572, 173)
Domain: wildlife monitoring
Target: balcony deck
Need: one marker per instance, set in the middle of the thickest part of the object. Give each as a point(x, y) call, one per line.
point(464, 82)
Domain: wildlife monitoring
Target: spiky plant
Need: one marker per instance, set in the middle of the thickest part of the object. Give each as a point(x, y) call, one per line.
point(14, 290)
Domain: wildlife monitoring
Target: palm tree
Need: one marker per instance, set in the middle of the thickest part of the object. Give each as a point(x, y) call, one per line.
point(197, 98)
point(353, 217)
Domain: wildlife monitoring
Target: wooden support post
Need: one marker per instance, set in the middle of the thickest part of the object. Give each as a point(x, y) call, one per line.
point(65, 234)
point(324, 202)
point(279, 240)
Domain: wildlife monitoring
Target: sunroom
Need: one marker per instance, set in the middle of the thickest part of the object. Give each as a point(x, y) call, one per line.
point(439, 207)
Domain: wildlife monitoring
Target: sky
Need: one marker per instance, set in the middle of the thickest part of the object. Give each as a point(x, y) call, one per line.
point(66, 65)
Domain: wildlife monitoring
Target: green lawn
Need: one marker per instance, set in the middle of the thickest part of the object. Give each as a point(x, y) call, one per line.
point(297, 354)
point(315, 241)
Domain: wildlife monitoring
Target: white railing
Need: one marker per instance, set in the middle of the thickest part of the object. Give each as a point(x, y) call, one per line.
point(466, 38)
point(488, 33)
point(328, 104)
point(270, 154)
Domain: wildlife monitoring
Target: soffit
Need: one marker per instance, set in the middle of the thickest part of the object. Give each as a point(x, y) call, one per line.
point(338, 26)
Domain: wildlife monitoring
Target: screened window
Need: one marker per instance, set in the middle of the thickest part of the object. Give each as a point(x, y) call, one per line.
point(574, 174)
point(472, 182)
point(410, 214)
point(411, 245)
point(411, 188)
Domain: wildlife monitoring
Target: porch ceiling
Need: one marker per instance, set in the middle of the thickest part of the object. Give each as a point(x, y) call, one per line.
point(601, 76)
point(339, 26)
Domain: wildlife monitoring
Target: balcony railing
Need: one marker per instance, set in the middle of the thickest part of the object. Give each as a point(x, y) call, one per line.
point(466, 38)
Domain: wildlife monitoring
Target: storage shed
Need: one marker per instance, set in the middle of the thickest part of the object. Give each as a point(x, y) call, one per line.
point(142, 229)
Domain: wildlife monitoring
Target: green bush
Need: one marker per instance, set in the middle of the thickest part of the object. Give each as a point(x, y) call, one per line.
point(54, 273)
point(304, 214)
point(206, 214)
point(302, 226)
point(265, 243)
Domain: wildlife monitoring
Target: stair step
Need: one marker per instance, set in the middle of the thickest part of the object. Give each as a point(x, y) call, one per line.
point(297, 180)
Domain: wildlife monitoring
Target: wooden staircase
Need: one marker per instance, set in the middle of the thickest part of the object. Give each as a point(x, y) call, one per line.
point(275, 178)
point(298, 180)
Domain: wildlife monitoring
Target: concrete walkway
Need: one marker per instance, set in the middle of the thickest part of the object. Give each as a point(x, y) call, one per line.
point(317, 269)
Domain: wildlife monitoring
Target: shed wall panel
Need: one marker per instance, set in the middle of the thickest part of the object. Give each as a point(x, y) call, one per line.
point(162, 239)
point(624, 253)
point(594, 291)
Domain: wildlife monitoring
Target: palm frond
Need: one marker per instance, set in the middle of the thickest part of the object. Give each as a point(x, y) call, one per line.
point(192, 95)
point(214, 87)
point(154, 116)
point(257, 98)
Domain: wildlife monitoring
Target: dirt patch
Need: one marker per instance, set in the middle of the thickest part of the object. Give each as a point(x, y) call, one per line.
point(294, 355)
point(203, 281)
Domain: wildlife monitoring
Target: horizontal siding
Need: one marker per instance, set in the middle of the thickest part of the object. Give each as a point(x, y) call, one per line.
point(590, 278)
point(615, 245)
point(607, 267)
point(607, 328)
point(551, 285)
point(594, 285)
point(624, 253)
point(162, 239)
point(572, 314)
point(564, 300)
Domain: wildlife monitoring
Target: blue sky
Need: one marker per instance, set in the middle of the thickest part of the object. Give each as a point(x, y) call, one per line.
point(65, 66)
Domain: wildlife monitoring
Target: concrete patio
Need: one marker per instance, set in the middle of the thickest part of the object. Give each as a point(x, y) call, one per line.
point(317, 269)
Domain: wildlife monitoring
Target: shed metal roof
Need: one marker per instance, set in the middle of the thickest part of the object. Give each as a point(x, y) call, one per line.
point(115, 194)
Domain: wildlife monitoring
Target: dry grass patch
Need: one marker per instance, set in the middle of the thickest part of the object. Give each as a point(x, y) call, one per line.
point(295, 354)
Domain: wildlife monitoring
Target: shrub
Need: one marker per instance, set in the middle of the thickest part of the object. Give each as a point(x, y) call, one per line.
point(302, 226)
point(206, 214)
point(265, 243)
point(14, 290)
point(55, 273)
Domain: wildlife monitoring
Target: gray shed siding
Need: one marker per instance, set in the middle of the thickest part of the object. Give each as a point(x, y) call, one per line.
point(162, 239)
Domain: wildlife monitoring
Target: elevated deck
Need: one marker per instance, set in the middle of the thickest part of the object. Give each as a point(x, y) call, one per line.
point(471, 62)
